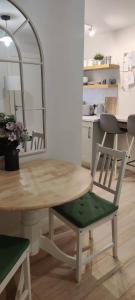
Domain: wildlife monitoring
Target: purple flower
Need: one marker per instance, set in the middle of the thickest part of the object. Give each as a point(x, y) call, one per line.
point(13, 131)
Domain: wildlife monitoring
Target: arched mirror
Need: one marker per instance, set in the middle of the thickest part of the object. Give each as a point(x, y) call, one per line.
point(22, 74)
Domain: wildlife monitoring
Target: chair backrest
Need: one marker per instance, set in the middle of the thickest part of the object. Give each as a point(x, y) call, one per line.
point(37, 142)
point(108, 160)
point(109, 123)
point(131, 125)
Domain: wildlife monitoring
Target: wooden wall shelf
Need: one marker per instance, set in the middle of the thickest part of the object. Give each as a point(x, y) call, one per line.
point(100, 86)
point(101, 67)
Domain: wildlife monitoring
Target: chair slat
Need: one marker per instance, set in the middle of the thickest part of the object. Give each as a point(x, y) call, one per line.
point(112, 170)
point(107, 169)
point(102, 167)
point(37, 140)
point(41, 143)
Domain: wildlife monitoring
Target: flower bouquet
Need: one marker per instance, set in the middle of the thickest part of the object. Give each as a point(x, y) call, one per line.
point(12, 135)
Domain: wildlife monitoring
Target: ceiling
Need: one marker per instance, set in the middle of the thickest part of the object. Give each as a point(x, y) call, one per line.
point(16, 19)
point(109, 15)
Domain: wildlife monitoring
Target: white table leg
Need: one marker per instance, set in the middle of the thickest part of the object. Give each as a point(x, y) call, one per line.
point(30, 224)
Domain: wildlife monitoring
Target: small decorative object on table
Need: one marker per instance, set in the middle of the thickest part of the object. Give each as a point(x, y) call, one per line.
point(85, 80)
point(99, 58)
point(112, 81)
point(12, 134)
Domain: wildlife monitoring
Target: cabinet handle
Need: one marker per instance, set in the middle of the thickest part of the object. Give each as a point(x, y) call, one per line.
point(89, 133)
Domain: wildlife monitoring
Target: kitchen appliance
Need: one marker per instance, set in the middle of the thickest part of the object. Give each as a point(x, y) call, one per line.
point(86, 109)
point(99, 109)
point(92, 110)
point(85, 80)
point(112, 81)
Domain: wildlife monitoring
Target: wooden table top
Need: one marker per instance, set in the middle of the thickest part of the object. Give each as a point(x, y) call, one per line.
point(42, 184)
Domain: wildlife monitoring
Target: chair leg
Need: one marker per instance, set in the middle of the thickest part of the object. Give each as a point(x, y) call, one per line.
point(20, 285)
point(115, 237)
point(127, 140)
point(91, 241)
point(104, 137)
point(79, 256)
point(51, 224)
point(116, 148)
point(27, 278)
point(130, 147)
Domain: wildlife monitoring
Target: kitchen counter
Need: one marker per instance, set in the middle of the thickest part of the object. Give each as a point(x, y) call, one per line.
point(91, 118)
point(96, 118)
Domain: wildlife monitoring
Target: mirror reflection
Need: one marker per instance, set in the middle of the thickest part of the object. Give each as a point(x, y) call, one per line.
point(21, 76)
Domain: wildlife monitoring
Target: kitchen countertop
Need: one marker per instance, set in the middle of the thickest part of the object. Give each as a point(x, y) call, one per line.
point(96, 118)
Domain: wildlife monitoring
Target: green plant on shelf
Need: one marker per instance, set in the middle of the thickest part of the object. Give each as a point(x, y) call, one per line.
point(99, 56)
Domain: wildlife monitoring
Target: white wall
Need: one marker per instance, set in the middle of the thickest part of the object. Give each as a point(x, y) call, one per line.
point(60, 27)
point(125, 41)
point(114, 44)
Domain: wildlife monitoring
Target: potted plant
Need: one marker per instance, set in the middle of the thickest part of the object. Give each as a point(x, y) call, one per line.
point(12, 134)
point(99, 58)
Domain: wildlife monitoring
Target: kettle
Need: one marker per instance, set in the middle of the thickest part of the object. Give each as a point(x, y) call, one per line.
point(92, 110)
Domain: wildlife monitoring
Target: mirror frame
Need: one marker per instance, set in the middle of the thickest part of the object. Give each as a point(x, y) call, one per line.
point(20, 61)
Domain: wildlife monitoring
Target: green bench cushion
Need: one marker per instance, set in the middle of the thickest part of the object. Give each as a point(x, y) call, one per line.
point(86, 210)
point(11, 249)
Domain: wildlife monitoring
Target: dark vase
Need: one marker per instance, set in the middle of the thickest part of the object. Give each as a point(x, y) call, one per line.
point(12, 160)
point(2, 149)
point(3, 146)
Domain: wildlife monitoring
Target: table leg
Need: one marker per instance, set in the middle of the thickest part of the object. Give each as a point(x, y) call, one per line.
point(30, 224)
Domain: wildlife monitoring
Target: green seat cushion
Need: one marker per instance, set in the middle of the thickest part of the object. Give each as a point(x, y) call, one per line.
point(11, 249)
point(86, 210)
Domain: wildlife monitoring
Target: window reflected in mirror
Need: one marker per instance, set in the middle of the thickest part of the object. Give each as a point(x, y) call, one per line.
point(22, 74)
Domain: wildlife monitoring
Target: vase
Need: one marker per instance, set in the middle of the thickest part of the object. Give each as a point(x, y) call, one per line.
point(12, 160)
point(3, 146)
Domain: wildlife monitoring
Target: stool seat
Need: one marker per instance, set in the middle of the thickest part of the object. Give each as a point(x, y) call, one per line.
point(109, 124)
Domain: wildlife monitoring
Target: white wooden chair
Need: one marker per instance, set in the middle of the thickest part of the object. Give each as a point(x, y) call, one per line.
point(37, 142)
point(14, 253)
point(91, 210)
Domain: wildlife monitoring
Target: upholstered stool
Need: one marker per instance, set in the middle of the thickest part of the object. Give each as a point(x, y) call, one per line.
point(109, 125)
point(131, 131)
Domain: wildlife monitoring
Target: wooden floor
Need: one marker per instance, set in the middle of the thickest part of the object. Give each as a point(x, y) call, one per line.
point(107, 279)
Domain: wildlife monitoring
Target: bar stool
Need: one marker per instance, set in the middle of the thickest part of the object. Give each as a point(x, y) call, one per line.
point(109, 125)
point(131, 131)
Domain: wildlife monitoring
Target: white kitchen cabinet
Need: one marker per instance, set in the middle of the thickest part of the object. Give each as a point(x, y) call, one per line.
point(86, 143)
point(91, 134)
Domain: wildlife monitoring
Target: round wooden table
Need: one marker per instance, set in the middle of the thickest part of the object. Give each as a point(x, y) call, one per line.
point(41, 184)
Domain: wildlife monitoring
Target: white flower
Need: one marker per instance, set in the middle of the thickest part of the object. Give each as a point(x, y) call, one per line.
point(12, 137)
point(10, 126)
